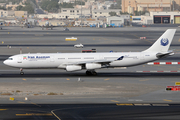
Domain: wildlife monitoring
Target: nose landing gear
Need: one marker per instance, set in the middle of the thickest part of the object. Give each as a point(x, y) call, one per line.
point(21, 71)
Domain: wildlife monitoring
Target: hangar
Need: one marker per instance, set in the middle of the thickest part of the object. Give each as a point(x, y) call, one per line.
point(165, 17)
point(158, 18)
point(161, 18)
point(115, 20)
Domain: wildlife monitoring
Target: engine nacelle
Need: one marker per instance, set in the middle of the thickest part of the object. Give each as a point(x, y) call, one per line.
point(70, 68)
point(91, 66)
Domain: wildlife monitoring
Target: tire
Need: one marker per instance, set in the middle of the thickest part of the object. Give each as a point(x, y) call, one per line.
point(21, 73)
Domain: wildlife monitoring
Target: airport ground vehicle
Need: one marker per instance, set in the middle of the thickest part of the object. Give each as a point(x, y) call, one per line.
point(79, 45)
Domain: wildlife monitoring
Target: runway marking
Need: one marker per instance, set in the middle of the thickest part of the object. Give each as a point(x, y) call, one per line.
point(177, 83)
point(134, 100)
point(24, 79)
point(39, 35)
point(179, 40)
point(55, 115)
point(106, 79)
point(3, 109)
point(129, 104)
point(67, 79)
point(35, 104)
point(167, 100)
point(142, 104)
point(163, 63)
point(144, 80)
point(35, 114)
point(160, 104)
point(136, 36)
point(158, 71)
point(147, 41)
point(20, 102)
point(115, 101)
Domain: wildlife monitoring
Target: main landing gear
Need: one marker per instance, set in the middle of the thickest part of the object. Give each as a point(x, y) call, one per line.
point(21, 71)
point(91, 72)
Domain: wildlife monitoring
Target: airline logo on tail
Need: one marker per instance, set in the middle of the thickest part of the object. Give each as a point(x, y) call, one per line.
point(164, 42)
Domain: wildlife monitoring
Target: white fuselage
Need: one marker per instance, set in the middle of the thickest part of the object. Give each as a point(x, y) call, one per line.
point(92, 61)
point(61, 60)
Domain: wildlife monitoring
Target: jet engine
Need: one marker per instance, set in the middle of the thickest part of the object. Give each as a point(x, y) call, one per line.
point(70, 68)
point(91, 66)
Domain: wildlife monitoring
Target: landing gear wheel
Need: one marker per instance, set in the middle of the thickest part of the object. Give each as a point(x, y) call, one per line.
point(21, 73)
point(91, 72)
point(88, 73)
point(94, 73)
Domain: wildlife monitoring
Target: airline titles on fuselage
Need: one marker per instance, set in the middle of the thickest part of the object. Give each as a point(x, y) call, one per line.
point(35, 57)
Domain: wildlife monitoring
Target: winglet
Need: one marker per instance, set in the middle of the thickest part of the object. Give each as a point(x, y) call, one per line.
point(120, 58)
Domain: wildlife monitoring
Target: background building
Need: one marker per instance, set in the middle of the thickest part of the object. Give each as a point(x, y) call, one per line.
point(158, 18)
point(104, 13)
point(150, 5)
point(21, 14)
point(5, 13)
point(115, 21)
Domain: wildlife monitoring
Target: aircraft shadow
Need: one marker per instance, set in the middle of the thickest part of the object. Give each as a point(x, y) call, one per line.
point(100, 74)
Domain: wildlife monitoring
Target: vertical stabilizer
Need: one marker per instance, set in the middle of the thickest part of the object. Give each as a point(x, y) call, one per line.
point(163, 43)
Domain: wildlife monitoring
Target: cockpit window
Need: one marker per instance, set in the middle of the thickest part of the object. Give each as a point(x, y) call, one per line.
point(10, 58)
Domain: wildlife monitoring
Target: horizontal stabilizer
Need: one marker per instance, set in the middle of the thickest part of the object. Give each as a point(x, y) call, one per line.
point(161, 55)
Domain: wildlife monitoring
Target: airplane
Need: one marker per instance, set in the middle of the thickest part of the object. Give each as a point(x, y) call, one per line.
point(47, 25)
point(92, 61)
point(26, 24)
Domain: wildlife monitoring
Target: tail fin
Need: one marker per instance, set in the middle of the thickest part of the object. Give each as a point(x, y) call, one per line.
point(163, 43)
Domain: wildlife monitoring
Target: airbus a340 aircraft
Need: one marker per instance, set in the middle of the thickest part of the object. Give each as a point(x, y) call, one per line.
point(91, 61)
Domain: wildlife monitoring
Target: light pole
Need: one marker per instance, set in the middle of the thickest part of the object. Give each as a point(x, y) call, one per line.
point(170, 5)
point(173, 5)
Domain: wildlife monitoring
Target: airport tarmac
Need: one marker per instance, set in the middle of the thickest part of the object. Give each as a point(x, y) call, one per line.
point(54, 86)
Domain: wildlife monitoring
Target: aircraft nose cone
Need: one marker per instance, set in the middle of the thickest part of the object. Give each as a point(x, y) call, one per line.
point(5, 62)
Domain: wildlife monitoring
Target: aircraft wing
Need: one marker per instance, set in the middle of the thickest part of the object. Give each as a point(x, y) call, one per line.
point(95, 61)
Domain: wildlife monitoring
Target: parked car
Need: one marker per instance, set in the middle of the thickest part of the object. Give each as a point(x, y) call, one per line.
point(79, 45)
